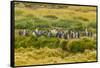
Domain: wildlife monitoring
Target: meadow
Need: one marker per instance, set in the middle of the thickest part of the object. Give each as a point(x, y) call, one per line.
point(33, 50)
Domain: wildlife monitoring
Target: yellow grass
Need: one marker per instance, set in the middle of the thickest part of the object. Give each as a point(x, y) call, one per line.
point(67, 13)
point(31, 56)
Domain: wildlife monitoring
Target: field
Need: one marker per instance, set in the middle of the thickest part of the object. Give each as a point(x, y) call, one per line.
point(31, 56)
point(35, 50)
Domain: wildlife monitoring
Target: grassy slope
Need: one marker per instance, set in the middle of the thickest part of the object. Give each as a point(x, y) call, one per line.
point(28, 56)
point(68, 13)
point(31, 56)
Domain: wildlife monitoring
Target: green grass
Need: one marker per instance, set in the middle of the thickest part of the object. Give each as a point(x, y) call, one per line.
point(71, 45)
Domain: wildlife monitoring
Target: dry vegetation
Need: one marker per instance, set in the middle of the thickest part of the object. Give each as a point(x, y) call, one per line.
point(31, 56)
point(33, 51)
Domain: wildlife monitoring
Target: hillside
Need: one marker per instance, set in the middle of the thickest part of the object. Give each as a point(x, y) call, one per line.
point(54, 33)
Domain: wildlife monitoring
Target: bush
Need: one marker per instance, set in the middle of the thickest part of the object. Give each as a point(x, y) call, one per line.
point(23, 24)
point(51, 17)
point(81, 45)
point(36, 42)
point(76, 46)
point(89, 43)
point(63, 45)
point(51, 43)
point(22, 41)
point(93, 25)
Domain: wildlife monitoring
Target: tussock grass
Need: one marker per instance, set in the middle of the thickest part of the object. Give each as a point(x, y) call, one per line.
point(33, 50)
point(31, 56)
point(71, 15)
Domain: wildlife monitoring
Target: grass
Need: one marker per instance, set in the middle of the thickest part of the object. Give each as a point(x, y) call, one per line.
point(31, 56)
point(70, 17)
point(71, 45)
point(32, 50)
point(62, 13)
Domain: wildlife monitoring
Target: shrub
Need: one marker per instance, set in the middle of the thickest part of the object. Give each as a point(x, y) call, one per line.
point(52, 43)
point(23, 24)
point(92, 24)
point(22, 41)
point(36, 42)
point(81, 45)
point(63, 45)
point(18, 41)
point(51, 17)
point(76, 46)
point(89, 43)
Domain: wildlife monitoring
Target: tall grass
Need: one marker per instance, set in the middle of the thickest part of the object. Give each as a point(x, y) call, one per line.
point(31, 50)
point(50, 16)
point(31, 56)
point(74, 45)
